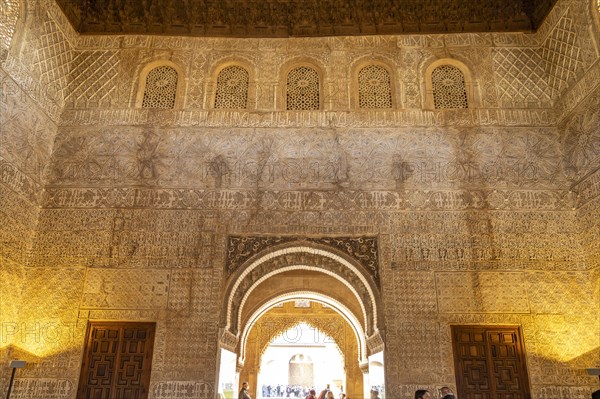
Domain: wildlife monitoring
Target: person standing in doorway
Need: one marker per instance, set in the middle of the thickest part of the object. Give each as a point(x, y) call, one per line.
point(312, 394)
point(244, 391)
point(324, 392)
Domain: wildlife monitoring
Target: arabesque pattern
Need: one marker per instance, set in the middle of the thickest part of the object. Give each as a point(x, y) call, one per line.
point(52, 60)
point(302, 89)
point(479, 216)
point(161, 88)
point(232, 88)
point(94, 75)
point(449, 88)
point(374, 87)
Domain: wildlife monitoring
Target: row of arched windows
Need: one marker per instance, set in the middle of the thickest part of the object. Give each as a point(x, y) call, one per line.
point(447, 83)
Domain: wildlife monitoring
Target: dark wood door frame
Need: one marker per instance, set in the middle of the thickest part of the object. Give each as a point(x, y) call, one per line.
point(491, 352)
point(120, 355)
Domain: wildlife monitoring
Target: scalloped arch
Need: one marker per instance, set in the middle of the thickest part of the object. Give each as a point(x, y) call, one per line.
point(342, 310)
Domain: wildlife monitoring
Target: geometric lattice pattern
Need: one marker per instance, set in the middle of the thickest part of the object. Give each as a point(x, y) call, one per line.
point(93, 83)
point(52, 59)
point(520, 76)
point(9, 14)
point(374, 87)
point(562, 55)
point(302, 89)
point(161, 88)
point(449, 89)
point(232, 88)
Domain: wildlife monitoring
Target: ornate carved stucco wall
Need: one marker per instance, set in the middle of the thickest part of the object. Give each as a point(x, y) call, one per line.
point(35, 43)
point(485, 215)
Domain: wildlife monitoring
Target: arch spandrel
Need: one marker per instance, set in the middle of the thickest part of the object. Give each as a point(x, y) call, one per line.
point(364, 250)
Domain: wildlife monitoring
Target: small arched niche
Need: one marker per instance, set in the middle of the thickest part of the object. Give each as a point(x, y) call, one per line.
point(374, 86)
point(302, 87)
point(232, 85)
point(449, 85)
point(160, 86)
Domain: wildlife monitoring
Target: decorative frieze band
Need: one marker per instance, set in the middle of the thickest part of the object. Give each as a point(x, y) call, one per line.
point(19, 182)
point(326, 119)
point(551, 200)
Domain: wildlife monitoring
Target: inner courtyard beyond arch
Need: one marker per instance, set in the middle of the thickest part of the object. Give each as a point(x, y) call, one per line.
point(392, 198)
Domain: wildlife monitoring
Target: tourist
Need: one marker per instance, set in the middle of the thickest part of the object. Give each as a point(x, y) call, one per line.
point(324, 392)
point(312, 394)
point(446, 393)
point(423, 394)
point(244, 391)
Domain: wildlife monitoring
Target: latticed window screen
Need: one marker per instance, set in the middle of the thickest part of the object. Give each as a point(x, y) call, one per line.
point(449, 89)
point(232, 88)
point(374, 87)
point(161, 88)
point(302, 89)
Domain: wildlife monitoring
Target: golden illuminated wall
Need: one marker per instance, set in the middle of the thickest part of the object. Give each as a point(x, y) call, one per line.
point(488, 215)
point(34, 58)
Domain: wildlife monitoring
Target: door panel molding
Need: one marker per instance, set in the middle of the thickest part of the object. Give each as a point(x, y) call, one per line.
point(117, 360)
point(490, 362)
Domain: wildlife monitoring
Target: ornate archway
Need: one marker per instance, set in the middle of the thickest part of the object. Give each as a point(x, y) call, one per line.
point(340, 272)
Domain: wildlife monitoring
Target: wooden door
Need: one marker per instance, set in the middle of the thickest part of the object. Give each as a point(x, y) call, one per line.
point(490, 363)
point(117, 361)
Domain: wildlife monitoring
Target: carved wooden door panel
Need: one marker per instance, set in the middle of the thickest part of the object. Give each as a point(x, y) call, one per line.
point(490, 363)
point(117, 361)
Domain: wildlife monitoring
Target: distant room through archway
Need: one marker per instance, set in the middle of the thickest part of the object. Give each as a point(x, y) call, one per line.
point(299, 359)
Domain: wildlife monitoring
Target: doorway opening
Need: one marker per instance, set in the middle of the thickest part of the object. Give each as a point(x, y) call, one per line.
point(300, 359)
point(295, 291)
point(228, 377)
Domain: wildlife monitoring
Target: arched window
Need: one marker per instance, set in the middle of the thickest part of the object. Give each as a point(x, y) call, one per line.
point(160, 90)
point(232, 88)
point(374, 87)
point(449, 87)
point(302, 89)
